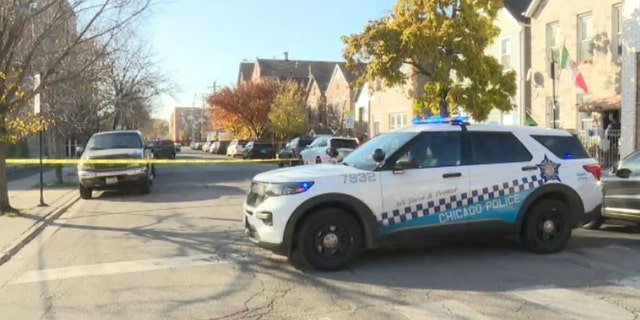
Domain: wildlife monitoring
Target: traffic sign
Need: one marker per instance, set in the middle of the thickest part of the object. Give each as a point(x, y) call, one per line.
point(350, 119)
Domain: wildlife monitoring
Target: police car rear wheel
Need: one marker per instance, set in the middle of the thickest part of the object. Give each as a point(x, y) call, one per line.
point(547, 228)
point(329, 240)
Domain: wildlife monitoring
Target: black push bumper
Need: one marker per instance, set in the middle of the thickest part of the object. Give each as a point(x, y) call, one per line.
point(113, 179)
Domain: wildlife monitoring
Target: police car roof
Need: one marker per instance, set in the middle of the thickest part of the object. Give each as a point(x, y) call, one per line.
point(483, 127)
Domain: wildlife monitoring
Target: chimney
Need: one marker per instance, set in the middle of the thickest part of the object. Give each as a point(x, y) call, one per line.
point(286, 56)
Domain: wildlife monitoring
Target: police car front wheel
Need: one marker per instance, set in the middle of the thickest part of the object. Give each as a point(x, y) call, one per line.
point(547, 228)
point(328, 240)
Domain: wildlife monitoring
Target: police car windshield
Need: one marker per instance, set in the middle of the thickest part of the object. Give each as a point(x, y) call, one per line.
point(361, 157)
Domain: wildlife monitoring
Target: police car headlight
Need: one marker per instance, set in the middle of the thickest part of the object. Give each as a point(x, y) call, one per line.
point(283, 189)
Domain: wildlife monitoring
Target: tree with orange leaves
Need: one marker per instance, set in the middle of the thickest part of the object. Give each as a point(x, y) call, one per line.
point(244, 110)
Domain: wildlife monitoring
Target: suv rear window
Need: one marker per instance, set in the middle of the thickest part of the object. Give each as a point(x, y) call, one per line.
point(344, 143)
point(564, 147)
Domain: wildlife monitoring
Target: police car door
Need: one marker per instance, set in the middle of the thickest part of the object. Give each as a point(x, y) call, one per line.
point(503, 174)
point(424, 185)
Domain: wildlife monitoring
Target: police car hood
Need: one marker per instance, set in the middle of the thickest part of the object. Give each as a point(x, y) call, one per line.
point(305, 172)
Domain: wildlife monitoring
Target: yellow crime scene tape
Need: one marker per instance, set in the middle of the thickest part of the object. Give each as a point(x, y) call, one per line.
point(143, 161)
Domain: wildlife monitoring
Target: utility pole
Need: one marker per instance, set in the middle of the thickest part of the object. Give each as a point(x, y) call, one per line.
point(214, 88)
point(37, 110)
point(553, 88)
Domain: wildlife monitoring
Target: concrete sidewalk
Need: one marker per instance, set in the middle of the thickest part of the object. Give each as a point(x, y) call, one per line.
point(24, 194)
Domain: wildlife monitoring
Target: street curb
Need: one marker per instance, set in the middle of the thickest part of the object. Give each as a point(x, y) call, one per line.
point(36, 229)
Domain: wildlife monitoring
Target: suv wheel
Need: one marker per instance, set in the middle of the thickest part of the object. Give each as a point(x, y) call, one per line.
point(328, 240)
point(145, 188)
point(546, 226)
point(85, 193)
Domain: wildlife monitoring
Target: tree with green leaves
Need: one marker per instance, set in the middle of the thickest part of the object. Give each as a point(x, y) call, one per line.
point(288, 114)
point(443, 41)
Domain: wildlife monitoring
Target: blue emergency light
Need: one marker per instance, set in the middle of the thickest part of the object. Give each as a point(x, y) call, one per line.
point(438, 119)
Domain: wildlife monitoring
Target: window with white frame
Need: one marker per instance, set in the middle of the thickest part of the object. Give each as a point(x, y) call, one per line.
point(397, 120)
point(585, 37)
point(553, 44)
point(585, 121)
point(505, 53)
point(616, 46)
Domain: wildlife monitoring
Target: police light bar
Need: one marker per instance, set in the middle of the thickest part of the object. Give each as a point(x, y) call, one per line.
point(451, 120)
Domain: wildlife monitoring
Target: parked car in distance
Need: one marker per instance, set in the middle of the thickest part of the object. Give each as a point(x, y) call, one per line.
point(291, 151)
point(205, 147)
point(236, 147)
point(163, 149)
point(121, 144)
point(328, 149)
point(198, 145)
point(258, 150)
point(621, 193)
point(221, 147)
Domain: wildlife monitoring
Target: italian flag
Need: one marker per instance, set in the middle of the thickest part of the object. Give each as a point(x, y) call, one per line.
point(576, 76)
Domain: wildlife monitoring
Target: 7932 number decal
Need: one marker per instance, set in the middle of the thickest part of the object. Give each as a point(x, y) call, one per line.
point(359, 177)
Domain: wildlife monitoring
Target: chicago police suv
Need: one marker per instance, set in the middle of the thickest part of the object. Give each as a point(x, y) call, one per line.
point(442, 177)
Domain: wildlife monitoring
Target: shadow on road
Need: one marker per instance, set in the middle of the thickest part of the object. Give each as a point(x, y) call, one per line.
point(163, 194)
point(592, 259)
point(465, 266)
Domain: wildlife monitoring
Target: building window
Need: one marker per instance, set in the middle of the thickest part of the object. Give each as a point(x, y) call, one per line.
point(553, 44)
point(505, 54)
point(376, 128)
point(397, 120)
point(585, 121)
point(585, 37)
point(616, 46)
point(361, 115)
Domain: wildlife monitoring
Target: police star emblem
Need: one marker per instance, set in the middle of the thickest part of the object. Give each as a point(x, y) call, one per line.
point(549, 170)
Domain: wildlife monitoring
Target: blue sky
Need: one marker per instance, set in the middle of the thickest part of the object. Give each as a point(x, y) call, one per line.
point(198, 42)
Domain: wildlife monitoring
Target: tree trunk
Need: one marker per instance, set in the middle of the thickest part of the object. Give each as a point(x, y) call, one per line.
point(444, 107)
point(5, 205)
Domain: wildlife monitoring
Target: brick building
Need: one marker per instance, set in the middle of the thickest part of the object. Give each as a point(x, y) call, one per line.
point(329, 85)
point(187, 123)
point(588, 33)
point(630, 118)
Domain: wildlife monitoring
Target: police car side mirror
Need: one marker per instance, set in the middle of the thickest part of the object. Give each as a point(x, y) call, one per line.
point(79, 150)
point(378, 155)
point(623, 173)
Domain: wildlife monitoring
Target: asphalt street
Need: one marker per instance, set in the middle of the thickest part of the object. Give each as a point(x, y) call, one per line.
point(180, 253)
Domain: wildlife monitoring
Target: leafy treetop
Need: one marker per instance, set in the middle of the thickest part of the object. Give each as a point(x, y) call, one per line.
point(288, 115)
point(244, 106)
point(443, 41)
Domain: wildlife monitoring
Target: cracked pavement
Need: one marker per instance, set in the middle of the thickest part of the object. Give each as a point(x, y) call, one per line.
point(180, 253)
